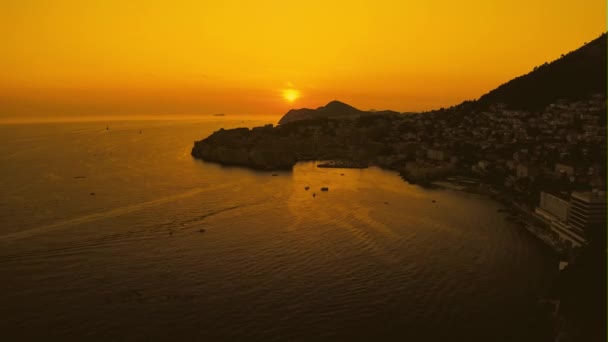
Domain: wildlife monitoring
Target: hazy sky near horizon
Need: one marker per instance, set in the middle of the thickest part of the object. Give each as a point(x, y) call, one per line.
point(110, 57)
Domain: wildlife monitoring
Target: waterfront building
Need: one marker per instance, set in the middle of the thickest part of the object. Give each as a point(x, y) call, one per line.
point(557, 204)
point(554, 210)
point(588, 209)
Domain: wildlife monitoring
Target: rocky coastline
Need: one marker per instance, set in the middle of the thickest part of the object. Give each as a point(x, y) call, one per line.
point(342, 164)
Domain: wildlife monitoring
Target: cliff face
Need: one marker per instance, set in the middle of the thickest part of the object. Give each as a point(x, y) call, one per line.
point(359, 140)
point(252, 148)
point(259, 158)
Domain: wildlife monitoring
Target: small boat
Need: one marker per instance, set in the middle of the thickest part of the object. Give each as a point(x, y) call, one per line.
point(324, 188)
point(306, 188)
point(314, 194)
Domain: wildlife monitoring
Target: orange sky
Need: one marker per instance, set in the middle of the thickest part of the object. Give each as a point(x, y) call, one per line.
point(110, 57)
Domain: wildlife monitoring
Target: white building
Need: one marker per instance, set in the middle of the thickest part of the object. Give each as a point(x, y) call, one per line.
point(555, 209)
point(588, 209)
point(557, 205)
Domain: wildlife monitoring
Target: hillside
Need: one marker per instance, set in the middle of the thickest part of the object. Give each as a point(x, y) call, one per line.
point(574, 76)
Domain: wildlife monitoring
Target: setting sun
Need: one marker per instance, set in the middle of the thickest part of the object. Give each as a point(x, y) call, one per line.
point(234, 170)
point(154, 57)
point(291, 94)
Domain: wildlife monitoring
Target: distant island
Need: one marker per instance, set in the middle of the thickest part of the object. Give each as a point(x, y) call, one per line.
point(334, 110)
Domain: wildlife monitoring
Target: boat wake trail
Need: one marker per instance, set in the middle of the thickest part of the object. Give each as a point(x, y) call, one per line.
point(98, 216)
point(143, 233)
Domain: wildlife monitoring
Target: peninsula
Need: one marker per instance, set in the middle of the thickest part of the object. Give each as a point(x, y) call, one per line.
point(537, 143)
point(336, 131)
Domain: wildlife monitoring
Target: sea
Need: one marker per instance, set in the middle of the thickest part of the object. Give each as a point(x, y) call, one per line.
point(111, 231)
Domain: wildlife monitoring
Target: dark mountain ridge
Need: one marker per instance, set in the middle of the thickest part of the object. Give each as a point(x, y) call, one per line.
point(575, 76)
point(334, 109)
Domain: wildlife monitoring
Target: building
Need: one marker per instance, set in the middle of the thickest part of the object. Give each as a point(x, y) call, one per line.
point(554, 209)
point(556, 204)
point(425, 170)
point(523, 171)
point(434, 154)
point(564, 168)
point(588, 209)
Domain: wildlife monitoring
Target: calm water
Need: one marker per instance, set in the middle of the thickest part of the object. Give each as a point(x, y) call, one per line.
point(372, 259)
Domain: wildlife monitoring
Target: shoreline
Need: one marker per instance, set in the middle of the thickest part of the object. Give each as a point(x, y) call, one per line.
point(516, 213)
point(547, 306)
point(523, 217)
point(342, 164)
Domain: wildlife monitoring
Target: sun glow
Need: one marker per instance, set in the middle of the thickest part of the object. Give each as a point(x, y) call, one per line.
point(291, 95)
point(158, 57)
